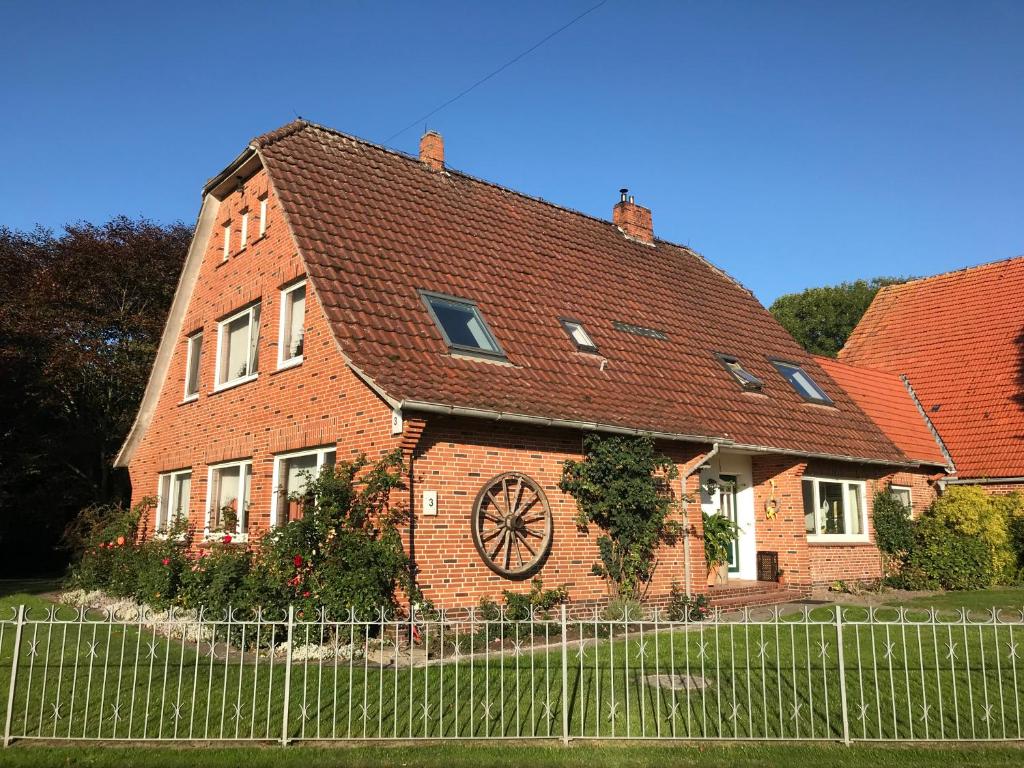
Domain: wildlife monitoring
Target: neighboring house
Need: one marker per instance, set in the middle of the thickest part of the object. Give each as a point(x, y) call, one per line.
point(957, 340)
point(341, 298)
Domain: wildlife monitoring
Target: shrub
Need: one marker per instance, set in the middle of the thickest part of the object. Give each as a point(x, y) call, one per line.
point(683, 607)
point(624, 488)
point(218, 579)
point(894, 528)
point(345, 551)
point(1012, 507)
point(519, 606)
point(942, 558)
point(719, 533)
point(969, 511)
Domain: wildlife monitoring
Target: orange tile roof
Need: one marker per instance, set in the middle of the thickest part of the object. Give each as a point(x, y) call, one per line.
point(374, 226)
point(884, 397)
point(959, 339)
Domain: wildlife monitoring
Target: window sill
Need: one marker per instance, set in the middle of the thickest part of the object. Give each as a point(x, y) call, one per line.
point(189, 399)
point(284, 365)
point(164, 536)
point(837, 539)
point(235, 382)
point(211, 538)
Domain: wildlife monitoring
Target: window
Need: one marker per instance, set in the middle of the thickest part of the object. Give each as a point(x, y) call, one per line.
point(227, 497)
point(244, 233)
point(745, 378)
point(263, 216)
point(292, 473)
point(802, 382)
point(193, 360)
point(461, 325)
point(172, 499)
point(227, 241)
point(579, 335)
point(237, 342)
point(834, 510)
point(293, 317)
point(902, 492)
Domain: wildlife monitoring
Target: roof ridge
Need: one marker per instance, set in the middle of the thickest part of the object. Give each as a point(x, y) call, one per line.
point(272, 137)
point(953, 272)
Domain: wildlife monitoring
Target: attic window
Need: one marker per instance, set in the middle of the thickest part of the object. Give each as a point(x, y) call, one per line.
point(801, 381)
point(461, 325)
point(578, 334)
point(745, 378)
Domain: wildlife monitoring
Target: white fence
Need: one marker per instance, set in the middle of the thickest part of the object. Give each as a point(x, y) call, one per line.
point(824, 674)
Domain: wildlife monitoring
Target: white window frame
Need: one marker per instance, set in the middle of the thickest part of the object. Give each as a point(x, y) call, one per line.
point(190, 356)
point(838, 538)
point(221, 385)
point(908, 489)
point(241, 532)
point(282, 361)
point(243, 233)
point(280, 458)
point(165, 505)
point(227, 240)
point(263, 216)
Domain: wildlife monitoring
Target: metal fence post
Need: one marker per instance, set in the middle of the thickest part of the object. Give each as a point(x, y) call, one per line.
point(288, 675)
point(842, 676)
point(14, 674)
point(565, 678)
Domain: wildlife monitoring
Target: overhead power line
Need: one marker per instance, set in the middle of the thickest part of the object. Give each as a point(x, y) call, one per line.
point(498, 71)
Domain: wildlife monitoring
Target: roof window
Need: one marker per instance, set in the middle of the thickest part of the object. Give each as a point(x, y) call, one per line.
point(578, 334)
point(745, 378)
point(461, 325)
point(801, 381)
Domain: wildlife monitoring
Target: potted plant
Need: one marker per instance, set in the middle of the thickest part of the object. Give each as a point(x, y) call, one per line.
point(719, 533)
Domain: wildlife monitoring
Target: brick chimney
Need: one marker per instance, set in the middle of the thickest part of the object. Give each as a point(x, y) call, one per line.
point(634, 220)
point(432, 150)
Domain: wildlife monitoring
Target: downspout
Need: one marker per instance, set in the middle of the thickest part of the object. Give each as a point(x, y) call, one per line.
point(687, 566)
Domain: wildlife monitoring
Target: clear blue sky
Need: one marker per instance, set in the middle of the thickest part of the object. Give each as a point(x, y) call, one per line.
point(794, 144)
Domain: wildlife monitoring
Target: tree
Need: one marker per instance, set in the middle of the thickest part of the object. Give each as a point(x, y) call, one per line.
point(624, 488)
point(81, 315)
point(822, 319)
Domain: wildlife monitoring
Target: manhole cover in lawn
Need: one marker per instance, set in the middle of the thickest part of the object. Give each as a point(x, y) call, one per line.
point(679, 682)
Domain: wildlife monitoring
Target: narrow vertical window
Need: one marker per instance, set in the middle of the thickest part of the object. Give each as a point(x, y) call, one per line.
point(263, 216)
point(173, 499)
point(237, 347)
point(292, 475)
point(244, 232)
point(228, 494)
point(227, 241)
point(192, 364)
point(293, 318)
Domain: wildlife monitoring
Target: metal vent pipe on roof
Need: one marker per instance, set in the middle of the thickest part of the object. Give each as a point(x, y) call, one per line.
point(623, 193)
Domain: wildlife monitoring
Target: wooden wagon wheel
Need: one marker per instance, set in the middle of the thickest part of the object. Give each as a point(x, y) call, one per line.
point(512, 525)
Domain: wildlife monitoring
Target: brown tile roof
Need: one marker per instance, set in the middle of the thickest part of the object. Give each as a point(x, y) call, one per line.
point(885, 398)
point(375, 225)
point(959, 339)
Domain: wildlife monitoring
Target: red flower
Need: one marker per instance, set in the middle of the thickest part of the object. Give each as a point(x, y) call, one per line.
point(120, 541)
point(297, 560)
point(167, 561)
point(227, 538)
point(305, 594)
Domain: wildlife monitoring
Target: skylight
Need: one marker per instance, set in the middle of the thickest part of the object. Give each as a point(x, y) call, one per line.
point(801, 381)
point(461, 325)
point(579, 335)
point(746, 379)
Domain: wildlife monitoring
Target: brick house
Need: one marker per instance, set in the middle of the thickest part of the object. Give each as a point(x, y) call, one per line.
point(957, 340)
point(341, 298)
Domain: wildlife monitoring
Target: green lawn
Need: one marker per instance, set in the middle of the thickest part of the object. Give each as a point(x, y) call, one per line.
point(979, 600)
point(445, 755)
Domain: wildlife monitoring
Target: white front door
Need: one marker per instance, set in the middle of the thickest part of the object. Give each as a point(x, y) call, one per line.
point(733, 496)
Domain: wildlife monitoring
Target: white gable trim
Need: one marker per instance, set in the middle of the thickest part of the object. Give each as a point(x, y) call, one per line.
point(172, 329)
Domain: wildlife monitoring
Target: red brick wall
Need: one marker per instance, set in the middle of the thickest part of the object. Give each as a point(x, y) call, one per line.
point(999, 489)
point(316, 403)
point(457, 457)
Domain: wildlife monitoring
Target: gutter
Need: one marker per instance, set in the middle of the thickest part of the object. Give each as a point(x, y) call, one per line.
point(697, 464)
point(981, 480)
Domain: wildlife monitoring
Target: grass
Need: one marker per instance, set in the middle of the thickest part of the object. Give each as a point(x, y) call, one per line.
point(977, 601)
point(445, 755)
